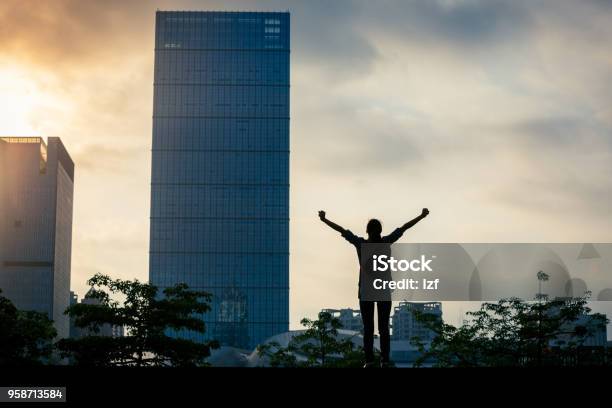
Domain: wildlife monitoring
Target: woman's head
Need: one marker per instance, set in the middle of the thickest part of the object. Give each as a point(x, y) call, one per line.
point(374, 228)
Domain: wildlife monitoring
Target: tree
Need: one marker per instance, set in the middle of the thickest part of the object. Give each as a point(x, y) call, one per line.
point(317, 346)
point(147, 316)
point(513, 332)
point(26, 336)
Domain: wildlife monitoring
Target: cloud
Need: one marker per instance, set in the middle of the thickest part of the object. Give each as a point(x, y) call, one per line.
point(330, 37)
point(469, 23)
point(61, 33)
point(571, 135)
point(557, 199)
point(559, 167)
point(106, 158)
point(366, 142)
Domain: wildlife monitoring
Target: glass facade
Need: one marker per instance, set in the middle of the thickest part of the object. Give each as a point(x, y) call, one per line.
point(220, 168)
point(36, 200)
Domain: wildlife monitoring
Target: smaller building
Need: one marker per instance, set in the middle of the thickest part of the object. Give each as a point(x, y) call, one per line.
point(349, 318)
point(74, 299)
point(592, 323)
point(106, 329)
point(405, 325)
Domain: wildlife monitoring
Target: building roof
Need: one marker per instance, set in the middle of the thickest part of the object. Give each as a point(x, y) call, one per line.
point(22, 139)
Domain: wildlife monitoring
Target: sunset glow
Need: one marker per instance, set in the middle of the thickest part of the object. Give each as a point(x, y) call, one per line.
point(19, 101)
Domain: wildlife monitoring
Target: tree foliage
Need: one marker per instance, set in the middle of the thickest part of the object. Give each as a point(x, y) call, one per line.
point(318, 346)
point(513, 332)
point(26, 336)
point(148, 316)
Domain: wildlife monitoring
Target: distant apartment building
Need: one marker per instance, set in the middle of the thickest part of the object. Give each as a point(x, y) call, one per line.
point(405, 325)
point(36, 199)
point(595, 330)
point(349, 318)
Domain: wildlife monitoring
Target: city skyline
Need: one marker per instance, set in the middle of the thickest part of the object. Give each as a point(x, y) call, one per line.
point(495, 115)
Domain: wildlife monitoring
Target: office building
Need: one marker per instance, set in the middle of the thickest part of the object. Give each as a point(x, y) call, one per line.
point(405, 325)
point(349, 318)
point(220, 168)
point(36, 193)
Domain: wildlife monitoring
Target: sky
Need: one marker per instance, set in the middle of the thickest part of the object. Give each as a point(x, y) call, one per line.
point(496, 115)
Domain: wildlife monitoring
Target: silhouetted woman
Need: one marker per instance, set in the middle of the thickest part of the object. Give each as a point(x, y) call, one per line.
point(374, 231)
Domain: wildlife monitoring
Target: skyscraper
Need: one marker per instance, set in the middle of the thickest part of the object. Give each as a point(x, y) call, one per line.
point(220, 168)
point(36, 190)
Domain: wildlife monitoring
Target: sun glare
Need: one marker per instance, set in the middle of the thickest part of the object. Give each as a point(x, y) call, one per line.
point(20, 102)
